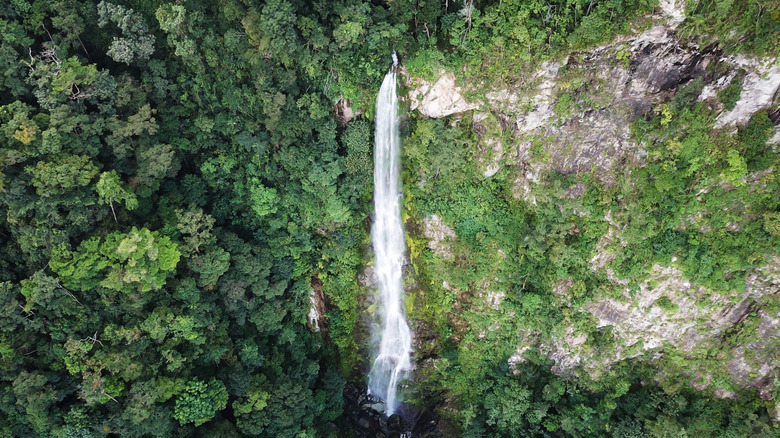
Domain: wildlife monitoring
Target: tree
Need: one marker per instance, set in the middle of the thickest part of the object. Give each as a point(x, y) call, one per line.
point(173, 21)
point(277, 31)
point(210, 265)
point(136, 41)
point(247, 408)
point(65, 172)
point(35, 397)
point(110, 189)
point(144, 409)
point(195, 226)
point(66, 80)
point(124, 132)
point(506, 406)
point(66, 18)
point(12, 37)
point(44, 293)
point(154, 164)
point(281, 409)
point(737, 168)
point(136, 261)
point(199, 401)
point(772, 223)
point(262, 199)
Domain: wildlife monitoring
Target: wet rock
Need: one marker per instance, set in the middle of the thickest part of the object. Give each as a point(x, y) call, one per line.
point(368, 418)
point(316, 316)
point(394, 422)
point(424, 342)
point(367, 414)
point(368, 278)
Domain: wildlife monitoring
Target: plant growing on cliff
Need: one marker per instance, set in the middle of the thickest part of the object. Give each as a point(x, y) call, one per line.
point(729, 95)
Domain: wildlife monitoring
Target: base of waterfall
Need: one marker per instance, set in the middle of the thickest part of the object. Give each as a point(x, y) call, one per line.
point(368, 416)
point(386, 373)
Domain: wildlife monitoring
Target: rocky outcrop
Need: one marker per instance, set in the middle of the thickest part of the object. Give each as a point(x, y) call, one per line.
point(439, 236)
point(344, 112)
point(759, 90)
point(757, 363)
point(667, 308)
point(670, 311)
point(316, 315)
point(573, 115)
point(439, 99)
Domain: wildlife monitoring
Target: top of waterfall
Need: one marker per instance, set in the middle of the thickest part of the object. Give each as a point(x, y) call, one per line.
point(395, 59)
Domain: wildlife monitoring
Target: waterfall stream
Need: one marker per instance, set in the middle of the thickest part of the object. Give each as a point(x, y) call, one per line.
point(393, 360)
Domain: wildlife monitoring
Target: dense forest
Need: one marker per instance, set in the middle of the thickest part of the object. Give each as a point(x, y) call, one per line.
point(175, 182)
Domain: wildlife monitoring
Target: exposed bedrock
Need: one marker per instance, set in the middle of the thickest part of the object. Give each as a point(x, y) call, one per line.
point(579, 109)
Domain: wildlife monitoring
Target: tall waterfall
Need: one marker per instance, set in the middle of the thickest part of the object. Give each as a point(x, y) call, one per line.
point(393, 359)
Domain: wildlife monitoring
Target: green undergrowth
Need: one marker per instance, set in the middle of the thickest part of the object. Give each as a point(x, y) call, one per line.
point(700, 202)
point(699, 198)
point(520, 269)
point(745, 26)
point(505, 42)
point(491, 45)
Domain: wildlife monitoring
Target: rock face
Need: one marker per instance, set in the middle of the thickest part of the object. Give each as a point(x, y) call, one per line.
point(316, 316)
point(759, 90)
point(344, 112)
point(439, 236)
point(573, 115)
point(667, 311)
point(439, 99)
point(674, 10)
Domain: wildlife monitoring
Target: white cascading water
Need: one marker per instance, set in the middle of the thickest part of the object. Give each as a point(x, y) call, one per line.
point(393, 360)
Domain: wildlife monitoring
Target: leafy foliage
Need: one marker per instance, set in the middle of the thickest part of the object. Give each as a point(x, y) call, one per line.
point(739, 25)
point(199, 401)
point(136, 41)
point(515, 280)
point(173, 186)
point(139, 260)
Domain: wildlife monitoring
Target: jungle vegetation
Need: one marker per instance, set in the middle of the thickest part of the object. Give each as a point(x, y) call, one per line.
point(173, 182)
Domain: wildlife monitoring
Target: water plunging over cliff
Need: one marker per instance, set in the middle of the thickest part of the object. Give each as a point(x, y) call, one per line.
point(393, 356)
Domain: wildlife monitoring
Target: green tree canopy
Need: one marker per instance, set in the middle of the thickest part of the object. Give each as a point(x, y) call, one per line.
point(139, 260)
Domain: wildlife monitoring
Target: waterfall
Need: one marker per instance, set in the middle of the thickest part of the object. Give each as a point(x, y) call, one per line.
point(393, 360)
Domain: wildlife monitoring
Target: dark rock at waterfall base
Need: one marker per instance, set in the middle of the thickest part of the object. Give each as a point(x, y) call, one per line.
point(367, 416)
